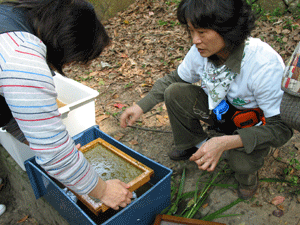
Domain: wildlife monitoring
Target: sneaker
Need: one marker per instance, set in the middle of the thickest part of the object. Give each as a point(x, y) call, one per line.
point(2, 209)
point(182, 154)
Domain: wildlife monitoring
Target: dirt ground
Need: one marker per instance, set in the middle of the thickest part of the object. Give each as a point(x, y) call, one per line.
point(147, 43)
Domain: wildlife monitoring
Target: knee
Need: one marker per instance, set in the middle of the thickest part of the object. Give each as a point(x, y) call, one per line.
point(175, 92)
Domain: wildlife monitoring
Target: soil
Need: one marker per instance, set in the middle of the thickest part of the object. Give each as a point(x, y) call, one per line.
point(147, 43)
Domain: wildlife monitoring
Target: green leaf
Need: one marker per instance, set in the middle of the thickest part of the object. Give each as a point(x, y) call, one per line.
point(180, 190)
point(214, 215)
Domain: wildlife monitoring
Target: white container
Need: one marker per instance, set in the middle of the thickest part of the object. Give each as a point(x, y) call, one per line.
point(19, 151)
point(78, 114)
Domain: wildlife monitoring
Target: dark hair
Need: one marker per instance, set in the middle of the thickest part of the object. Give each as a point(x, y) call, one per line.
point(232, 19)
point(69, 28)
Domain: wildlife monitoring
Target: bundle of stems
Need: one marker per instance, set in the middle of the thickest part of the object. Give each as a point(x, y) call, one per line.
point(198, 197)
point(172, 209)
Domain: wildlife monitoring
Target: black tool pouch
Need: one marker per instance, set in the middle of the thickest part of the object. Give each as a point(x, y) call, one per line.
point(225, 125)
point(5, 113)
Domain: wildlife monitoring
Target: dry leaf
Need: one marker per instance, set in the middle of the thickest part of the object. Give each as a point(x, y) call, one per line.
point(94, 73)
point(115, 33)
point(102, 117)
point(205, 205)
point(115, 96)
point(278, 200)
point(276, 153)
point(133, 142)
point(277, 213)
point(278, 29)
point(161, 119)
point(124, 56)
point(118, 136)
point(119, 105)
point(286, 31)
point(280, 207)
point(146, 85)
point(23, 219)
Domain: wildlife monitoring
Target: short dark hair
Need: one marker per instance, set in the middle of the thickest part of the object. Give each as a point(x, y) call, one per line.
point(69, 28)
point(232, 19)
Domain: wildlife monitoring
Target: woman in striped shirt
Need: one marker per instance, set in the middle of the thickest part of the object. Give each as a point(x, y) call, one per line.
point(37, 36)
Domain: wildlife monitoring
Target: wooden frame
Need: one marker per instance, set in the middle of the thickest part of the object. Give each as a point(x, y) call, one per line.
point(182, 221)
point(137, 182)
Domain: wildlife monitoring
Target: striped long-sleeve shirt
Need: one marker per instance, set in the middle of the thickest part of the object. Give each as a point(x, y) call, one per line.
point(27, 84)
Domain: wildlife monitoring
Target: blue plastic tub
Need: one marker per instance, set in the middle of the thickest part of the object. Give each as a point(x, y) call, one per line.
point(153, 197)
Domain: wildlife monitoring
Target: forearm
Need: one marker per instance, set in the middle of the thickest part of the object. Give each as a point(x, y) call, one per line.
point(275, 133)
point(99, 190)
point(156, 95)
point(230, 142)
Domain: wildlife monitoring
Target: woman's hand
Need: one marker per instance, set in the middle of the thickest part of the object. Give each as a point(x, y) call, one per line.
point(116, 194)
point(113, 193)
point(130, 115)
point(208, 155)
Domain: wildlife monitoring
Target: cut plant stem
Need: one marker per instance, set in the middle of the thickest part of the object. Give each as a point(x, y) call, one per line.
point(199, 201)
point(216, 214)
point(174, 206)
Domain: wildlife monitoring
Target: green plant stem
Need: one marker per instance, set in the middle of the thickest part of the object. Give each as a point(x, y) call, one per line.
point(216, 214)
point(200, 201)
point(174, 206)
point(228, 215)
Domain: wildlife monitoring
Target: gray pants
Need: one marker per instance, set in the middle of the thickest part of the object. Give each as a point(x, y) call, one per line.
point(187, 104)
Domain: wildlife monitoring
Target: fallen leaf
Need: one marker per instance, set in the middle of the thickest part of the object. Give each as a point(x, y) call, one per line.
point(118, 136)
point(133, 142)
point(161, 119)
point(284, 39)
point(278, 213)
point(102, 117)
point(23, 219)
point(278, 200)
point(278, 29)
point(115, 96)
point(116, 33)
point(276, 153)
point(286, 31)
point(119, 105)
point(280, 207)
point(146, 85)
point(92, 74)
point(205, 205)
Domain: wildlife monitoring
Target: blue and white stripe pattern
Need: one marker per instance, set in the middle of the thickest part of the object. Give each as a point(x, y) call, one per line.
point(27, 84)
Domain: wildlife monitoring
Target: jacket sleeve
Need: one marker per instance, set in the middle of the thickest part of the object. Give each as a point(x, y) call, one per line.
point(275, 133)
point(156, 95)
point(29, 90)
